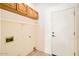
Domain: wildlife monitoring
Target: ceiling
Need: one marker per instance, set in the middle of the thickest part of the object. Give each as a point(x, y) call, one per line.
point(44, 4)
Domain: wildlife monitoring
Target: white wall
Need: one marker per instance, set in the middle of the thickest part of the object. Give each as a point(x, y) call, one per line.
point(44, 41)
point(20, 28)
point(41, 36)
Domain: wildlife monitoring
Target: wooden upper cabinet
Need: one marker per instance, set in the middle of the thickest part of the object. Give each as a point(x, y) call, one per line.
point(35, 14)
point(22, 8)
point(31, 13)
point(9, 5)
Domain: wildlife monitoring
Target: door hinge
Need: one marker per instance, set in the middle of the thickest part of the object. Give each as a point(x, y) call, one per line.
point(74, 33)
point(74, 53)
point(74, 13)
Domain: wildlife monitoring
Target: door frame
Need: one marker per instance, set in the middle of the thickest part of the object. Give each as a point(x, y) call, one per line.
point(73, 26)
point(62, 7)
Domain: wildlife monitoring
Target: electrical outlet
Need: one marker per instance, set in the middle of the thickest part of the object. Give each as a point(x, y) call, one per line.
point(9, 39)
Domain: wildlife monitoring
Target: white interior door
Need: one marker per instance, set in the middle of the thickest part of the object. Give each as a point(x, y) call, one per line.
point(63, 32)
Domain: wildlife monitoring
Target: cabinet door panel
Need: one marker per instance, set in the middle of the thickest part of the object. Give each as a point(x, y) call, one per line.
point(31, 13)
point(35, 14)
point(10, 5)
point(22, 8)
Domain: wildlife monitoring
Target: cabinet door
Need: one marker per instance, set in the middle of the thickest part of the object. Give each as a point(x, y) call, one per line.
point(35, 14)
point(31, 13)
point(22, 8)
point(9, 5)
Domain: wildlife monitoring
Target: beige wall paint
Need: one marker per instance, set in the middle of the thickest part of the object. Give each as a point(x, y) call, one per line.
point(77, 29)
point(20, 28)
point(0, 37)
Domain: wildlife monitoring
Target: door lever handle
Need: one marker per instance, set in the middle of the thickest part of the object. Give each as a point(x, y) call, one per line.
point(53, 36)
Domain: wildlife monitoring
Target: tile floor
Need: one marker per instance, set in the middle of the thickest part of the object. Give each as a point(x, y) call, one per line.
point(38, 53)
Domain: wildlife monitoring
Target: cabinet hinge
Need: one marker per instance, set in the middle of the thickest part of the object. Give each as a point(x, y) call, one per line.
point(74, 13)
